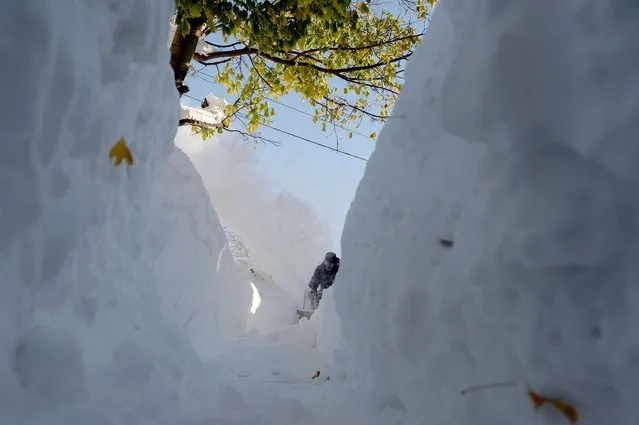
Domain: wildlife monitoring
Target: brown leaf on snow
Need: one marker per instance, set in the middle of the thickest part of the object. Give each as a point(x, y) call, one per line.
point(568, 410)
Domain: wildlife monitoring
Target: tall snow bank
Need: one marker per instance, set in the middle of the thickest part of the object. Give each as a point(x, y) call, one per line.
point(205, 292)
point(515, 136)
point(92, 256)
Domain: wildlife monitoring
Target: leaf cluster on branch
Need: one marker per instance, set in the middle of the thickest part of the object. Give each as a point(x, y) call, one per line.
point(345, 58)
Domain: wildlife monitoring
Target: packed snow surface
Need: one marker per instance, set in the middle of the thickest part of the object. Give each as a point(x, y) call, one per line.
point(514, 137)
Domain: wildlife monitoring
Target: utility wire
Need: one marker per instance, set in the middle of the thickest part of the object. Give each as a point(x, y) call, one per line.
point(311, 115)
point(316, 143)
point(193, 98)
point(297, 136)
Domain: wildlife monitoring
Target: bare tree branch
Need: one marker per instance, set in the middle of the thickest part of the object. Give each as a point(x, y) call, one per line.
point(224, 46)
point(214, 63)
point(253, 51)
point(245, 135)
point(371, 85)
point(356, 48)
point(344, 103)
point(259, 74)
point(253, 136)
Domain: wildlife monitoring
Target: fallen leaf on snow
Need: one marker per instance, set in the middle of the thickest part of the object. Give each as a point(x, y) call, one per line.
point(568, 410)
point(120, 152)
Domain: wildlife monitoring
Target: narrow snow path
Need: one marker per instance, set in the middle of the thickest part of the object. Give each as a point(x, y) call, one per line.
point(273, 374)
point(282, 363)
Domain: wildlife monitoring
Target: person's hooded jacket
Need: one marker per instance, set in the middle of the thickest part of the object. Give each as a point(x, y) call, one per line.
point(324, 274)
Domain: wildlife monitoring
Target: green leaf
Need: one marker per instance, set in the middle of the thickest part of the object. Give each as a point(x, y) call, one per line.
point(185, 27)
point(195, 10)
point(331, 34)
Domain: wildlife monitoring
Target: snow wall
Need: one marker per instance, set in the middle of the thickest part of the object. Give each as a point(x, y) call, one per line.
point(116, 283)
point(515, 137)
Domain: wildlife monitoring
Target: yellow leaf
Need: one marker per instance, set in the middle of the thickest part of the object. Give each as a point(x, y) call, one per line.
point(120, 152)
point(373, 135)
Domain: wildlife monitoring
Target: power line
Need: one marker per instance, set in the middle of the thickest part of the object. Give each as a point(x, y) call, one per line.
point(305, 139)
point(315, 143)
point(191, 97)
point(311, 115)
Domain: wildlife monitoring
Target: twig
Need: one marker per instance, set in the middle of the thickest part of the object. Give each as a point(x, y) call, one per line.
point(488, 386)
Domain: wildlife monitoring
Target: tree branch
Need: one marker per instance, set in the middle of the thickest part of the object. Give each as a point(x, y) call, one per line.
point(224, 54)
point(371, 85)
point(257, 137)
point(348, 105)
point(293, 62)
point(260, 75)
point(357, 48)
point(223, 46)
point(214, 63)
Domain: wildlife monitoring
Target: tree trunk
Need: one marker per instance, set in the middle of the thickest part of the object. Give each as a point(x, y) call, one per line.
point(182, 51)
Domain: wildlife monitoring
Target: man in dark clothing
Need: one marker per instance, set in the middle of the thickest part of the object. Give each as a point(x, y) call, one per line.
point(323, 277)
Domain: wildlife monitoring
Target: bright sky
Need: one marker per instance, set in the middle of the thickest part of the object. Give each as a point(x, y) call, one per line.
point(325, 179)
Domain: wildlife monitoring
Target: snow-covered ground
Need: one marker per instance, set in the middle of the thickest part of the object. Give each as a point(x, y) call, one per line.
point(514, 138)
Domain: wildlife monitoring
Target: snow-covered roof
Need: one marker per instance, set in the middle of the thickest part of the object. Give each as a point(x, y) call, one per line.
point(212, 111)
point(200, 115)
point(213, 103)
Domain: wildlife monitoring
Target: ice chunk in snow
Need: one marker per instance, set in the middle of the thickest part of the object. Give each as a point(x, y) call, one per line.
point(517, 140)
